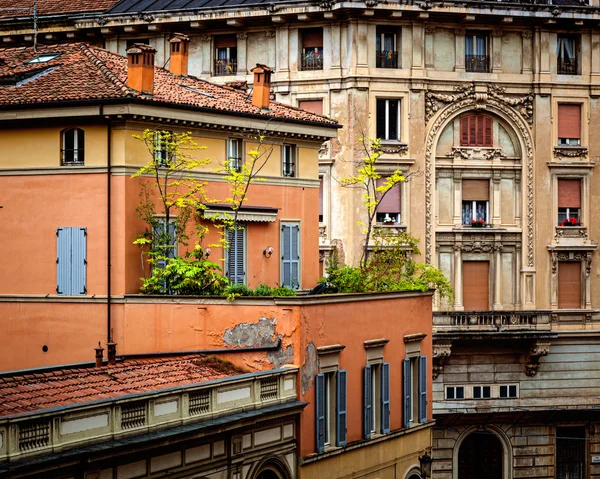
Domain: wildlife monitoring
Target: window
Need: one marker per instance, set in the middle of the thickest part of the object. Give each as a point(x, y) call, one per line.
point(569, 202)
point(455, 392)
point(161, 147)
point(569, 285)
point(475, 202)
point(482, 392)
point(44, 58)
point(388, 210)
point(476, 285)
point(414, 390)
point(290, 257)
point(235, 258)
point(387, 50)
point(320, 199)
point(388, 119)
point(314, 106)
point(567, 53)
point(376, 399)
point(165, 240)
point(508, 391)
point(476, 130)
point(312, 49)
point(288, 166)
point(569, 124)
point(71, 261)
point(234, 154)
point(225, 55)
point(477, 57)
point(73, 147)
point(330, 406)
point(570, 452)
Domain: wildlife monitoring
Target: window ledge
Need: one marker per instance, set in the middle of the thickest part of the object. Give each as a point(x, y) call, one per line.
point(391, 147)
point(570, 151)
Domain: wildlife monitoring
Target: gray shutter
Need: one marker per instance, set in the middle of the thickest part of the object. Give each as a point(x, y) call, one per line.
point(290, 256)
point(340, 434)
point(71, 261)
point(385, 398)
point(423, 389)
point(367, 403)
point(320, 411)
point(407, 393)
point(235, 256)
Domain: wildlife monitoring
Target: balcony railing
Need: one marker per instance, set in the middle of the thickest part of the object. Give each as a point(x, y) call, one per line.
point(566, 67)
point(477, 63)
point(312, 63)
point(387, 59)
point(482, 321)
point(72, 157)
point(225, 67)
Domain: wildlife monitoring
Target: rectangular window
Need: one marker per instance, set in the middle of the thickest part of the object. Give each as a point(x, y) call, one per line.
point(165, 241)
point(569, 284)
point(312, 49)
point(482, 392)
point(569, 124)
point(288, 166)
point(161, 147)
point(475, 201)
point(371, 397)
point(314, 106)
point(567, 52)
point(235, 262)
point(234, 154)
point(290, 255)
point(477, 56)
point(570, 452)
point(73, 147)
point(71, 261)
point(508, 391)
point(320, 199)
point(387, 48)
point(476, 130)
point(330, 409)
point(407, 391)
point(476, 285)
point(455, 392)
point(569, 202)
point(388, 210)
point(422, 399)
point(388, 119)
point(225, 55)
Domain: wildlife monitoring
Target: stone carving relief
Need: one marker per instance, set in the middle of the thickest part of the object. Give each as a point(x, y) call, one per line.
point(470, 153)
point(571, 232)
point(242, 36)
point(401, 149)
point(570, 152)
point(441, 352)
point(586, 256)
point(537, 350)
point(326, 4)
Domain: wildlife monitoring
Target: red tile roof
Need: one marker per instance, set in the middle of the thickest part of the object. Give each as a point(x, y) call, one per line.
point(84, 73)
point(24, 8)
point(41, 390)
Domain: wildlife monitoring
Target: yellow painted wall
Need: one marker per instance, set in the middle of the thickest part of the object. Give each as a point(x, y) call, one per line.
point(308, 159)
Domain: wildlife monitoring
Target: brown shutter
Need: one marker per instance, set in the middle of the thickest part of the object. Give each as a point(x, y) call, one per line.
point(312, 38)
point(475, 190)
point(476, 130)
point(314, 106)
point(569, 121)
point(487, 131)
point(476, 285)
point(569, 285)
point(569, 193)
point(391, 200)
point(464, 131)
point(224, 41)
point(321, 196)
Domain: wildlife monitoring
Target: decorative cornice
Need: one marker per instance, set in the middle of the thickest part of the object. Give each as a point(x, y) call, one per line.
point(400, 148)
point(376, 343)
point(571, 152)
point(333, 349)
point(414, 338)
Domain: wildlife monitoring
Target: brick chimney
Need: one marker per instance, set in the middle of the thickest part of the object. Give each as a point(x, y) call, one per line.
point(261, 93)
point(112, 353)
point(180, 44)
point(99, 355)
point(140, 68)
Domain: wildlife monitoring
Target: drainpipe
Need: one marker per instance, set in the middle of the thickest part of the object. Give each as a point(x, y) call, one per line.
point(108, 227)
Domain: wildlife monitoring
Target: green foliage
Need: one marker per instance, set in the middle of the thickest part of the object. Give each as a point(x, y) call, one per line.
point(263, 289)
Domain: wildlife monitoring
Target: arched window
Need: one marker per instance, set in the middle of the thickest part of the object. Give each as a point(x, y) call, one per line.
point(476, 130)
point(480, 455)
point(73, 146)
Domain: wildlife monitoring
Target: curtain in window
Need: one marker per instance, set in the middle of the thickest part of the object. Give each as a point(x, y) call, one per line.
point(480, 49)
point(566, 49)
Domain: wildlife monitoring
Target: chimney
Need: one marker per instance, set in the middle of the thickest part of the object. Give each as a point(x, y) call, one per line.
point(99, 355)
point(261, 93)
point(180, 44)
point(140, 68)
point(112, 353)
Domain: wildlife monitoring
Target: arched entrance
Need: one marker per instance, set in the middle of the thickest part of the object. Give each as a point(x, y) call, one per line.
point(480, 455)
point(272, 467)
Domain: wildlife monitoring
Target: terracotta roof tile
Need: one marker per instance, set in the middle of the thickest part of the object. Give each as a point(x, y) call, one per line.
point(38, 391)
point(20, 8)
point(82, 73)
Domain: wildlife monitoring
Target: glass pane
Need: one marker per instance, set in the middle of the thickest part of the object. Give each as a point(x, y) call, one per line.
point(481, 210)
point(467, 212)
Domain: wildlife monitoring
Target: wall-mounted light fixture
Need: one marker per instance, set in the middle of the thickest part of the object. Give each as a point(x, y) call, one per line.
point(268, 252)
point(425, 461)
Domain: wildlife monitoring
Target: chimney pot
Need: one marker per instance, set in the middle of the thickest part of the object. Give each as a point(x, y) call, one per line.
point(178, 64)
point(140, 68)
point(261, 90)
point(112, 353)
point(99, 355)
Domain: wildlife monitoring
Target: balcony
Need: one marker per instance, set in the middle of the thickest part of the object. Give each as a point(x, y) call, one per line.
point(567, 67)
point(473, 323)
point(72, 157)
point(225, 66)
point(310, 63)
point(477, 63)
point(387, 59)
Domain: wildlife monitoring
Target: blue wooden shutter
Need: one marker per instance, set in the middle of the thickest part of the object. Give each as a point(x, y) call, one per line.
point(71, 261)
point(320, 411)
point(340, 434)
point(367, 402)
point(235, 256)
point(423, 389)
point(407, 393)
point(385, 398)
point(290, 256)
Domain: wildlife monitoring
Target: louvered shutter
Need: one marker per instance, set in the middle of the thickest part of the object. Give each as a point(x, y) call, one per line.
point(407, 396)
point(487, 131)
point(385, 398)
point(476, 130)
point(381, 119)
point(367, 403)
point(569, 193)
point(569, 121)
point(391, 201)
point(476, 280)
point(464, 131)
point(290, 257)
point(341, 403)
point(320, 411)
point(312, 38)
point(235, 255)
point(225, 41)
point(423, 389)
point(71, 262)
point(475, 190)
point(569, 284)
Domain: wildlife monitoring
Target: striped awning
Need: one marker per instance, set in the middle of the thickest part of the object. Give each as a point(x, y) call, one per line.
point(248, 214)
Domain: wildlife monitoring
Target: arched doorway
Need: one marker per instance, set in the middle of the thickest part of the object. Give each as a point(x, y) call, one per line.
point(480, 455)
point(272, 468)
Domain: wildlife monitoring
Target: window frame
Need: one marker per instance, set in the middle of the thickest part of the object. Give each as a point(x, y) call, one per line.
point(227, 65)
point(315, 56)
point(560, 437)
point(386, 136)
point(78, 158)
point(289, 160)
point(574, 68)
point(334, 400)
point(235, 162)
point(228, 251)
point(454, 393)
point(380, 36)
point(161, 151)
point(474, 66)
point(480, 120)
point(291, 224)
point(482, 389)
point(473, 211)
point(508, 394)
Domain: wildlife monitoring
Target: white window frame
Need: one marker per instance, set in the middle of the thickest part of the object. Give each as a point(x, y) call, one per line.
point(474, 210)
point(481, 389)
point(161, 156)
point(508, 386)
point(454, 389)
point(289, 161)
point(235, 148)
point(387, 119)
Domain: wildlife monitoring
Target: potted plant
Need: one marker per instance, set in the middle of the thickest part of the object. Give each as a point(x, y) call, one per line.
point(389, 220)
point(478, 223)
point(570, 222)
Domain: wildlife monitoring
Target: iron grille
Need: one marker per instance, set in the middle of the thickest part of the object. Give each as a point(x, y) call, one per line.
point(225, 67)
point(312, 63)
point(199, 402)
point(387, 59)
point(268, 389)
point(72, 157)
point(567, 67)
point(33, 435)
point(477, 63)
point(133, 415)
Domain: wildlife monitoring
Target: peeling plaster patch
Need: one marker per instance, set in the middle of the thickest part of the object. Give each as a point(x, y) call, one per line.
point(261, 333)
point(310, 367)
point(282, 356)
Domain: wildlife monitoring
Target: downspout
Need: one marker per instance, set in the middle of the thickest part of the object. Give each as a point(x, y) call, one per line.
point(108, 227)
